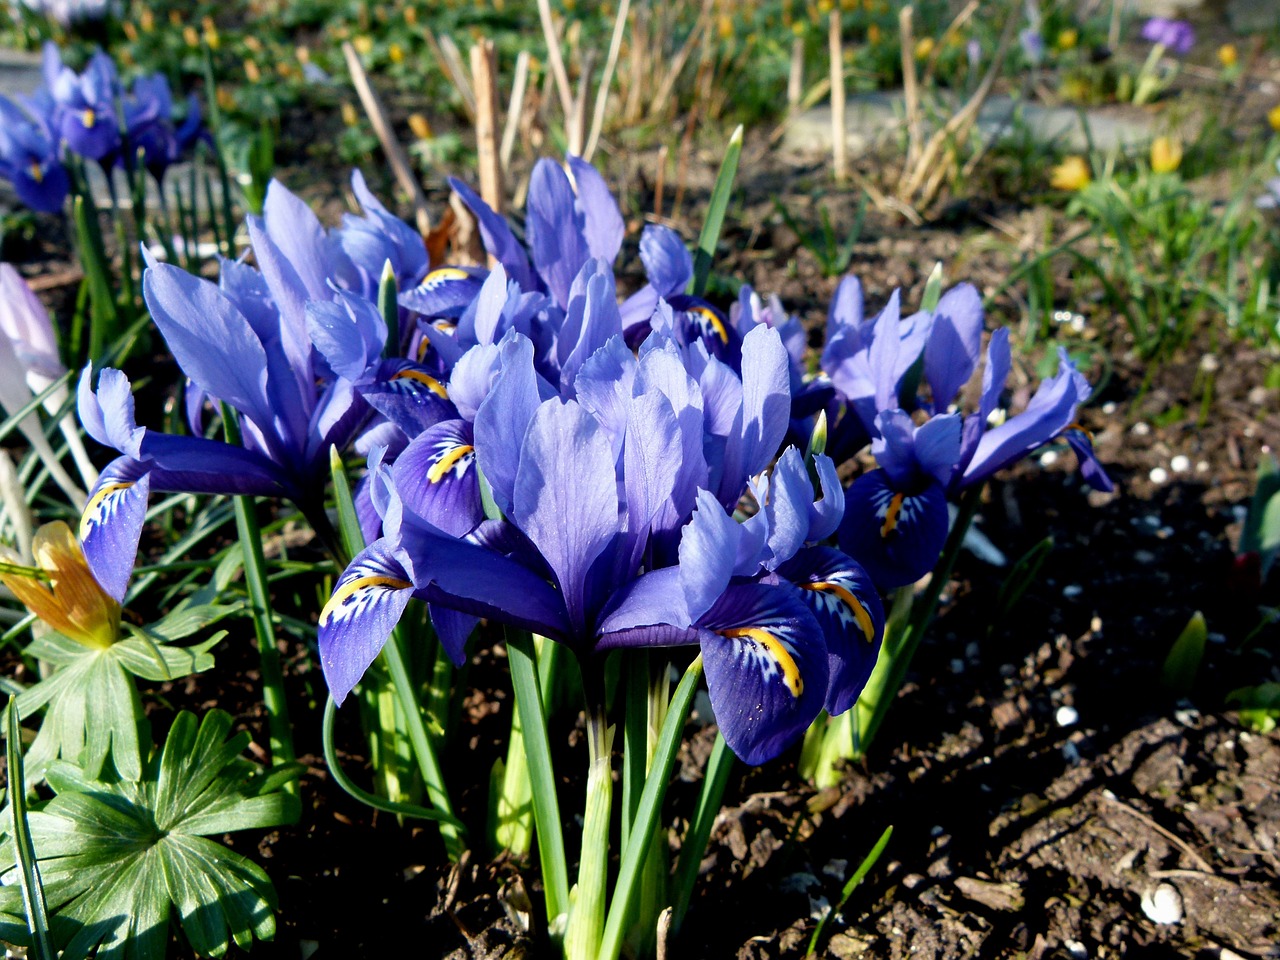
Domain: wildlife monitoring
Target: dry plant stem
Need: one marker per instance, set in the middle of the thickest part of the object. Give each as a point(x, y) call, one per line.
point(577, 124)
point(458, 74)
point(839, 146)
point(515, 108)
point(795, 76)
point(955, 129)
point(606, 80)
point(377, 115)
point(680, 59)
point(661, 181)
point(484, 76)
point(959, 21)
point(910, 89)
point(556, 59)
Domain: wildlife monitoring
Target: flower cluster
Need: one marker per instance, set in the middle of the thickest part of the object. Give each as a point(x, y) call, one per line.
point(609, 475)
point(92, 116)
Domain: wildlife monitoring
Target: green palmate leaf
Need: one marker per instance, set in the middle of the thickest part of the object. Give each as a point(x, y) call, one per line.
point(91, 704)
point(117, 859)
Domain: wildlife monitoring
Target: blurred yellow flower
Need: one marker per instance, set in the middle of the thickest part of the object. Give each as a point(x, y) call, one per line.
point(396, 53)
point(1228, 56)
point(303, 54)
point(130, 31)
point(724, 26)
point(873, 33)
point(1071, 174)
point(72, 603)
point(1273, 117)
point(190, 36)
point(420, 126)
point(825, 6)
point(210, 33)
point(1068, 38)
point(349, 115)
point(411, 16)
point(175, 18)
point(1166, 154)
point(225, 100)
point(924, 47)
point(147, 21)
point(363, 45)
point(252, 72)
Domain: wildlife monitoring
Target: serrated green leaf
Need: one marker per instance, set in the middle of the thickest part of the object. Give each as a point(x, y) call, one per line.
point(119, 858)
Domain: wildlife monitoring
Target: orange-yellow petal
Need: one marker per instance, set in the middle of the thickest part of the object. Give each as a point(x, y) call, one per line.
point(72, 603)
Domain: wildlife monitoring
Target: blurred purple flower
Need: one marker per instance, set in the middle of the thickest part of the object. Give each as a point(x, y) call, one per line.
point(1176, 35)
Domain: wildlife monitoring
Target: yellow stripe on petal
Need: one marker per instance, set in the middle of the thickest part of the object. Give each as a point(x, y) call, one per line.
point(92, 509)
point(774, 647)
point(352, 587)
point(891, 515)
point(846, 596)
point(430, 382)
point(709, 315)
point(447, 462)
point(442, 275)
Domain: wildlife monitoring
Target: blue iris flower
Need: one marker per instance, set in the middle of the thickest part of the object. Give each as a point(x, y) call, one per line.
point(296, 355)
point(613, 487)
point(29, 158)
point(85, 104)
point(896, 516)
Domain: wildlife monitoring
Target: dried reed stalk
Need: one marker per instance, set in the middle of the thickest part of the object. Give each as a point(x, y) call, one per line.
point(396, 156)
point(610, 64)
point(484, 76)
point(515, 108)
point(839, 146)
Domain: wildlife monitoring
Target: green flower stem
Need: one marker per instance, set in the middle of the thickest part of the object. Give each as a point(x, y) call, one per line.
point(255, 576)
point(351, 542)
point(710, 798)
point(24, 850)
point(899, 649)
point(546, 807)
point(647, 814)
point(587, 915)
point(378, 803)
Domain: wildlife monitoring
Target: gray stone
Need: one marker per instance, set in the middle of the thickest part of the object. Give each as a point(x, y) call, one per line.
point(1164, 8)
point(875, 119)
point(1247, 16)
point(19, 73)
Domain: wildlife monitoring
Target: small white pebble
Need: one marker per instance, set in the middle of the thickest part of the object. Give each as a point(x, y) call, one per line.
point(1076, 949)
point(1159, 474)
point(1208, 363)
point(1049, 458)
point(836, 869)
point(1163, 905)
point(1180, 464)
point(936, 830)
point(1072, 590)
point(957, 666)
point(1202, 466)
point(1141, 429)
point(1144, 556)
point(1109, 407)
point(1066, 716)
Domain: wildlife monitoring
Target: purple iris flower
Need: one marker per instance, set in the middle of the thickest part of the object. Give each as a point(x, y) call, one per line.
point(149, 126)
point(1176, 35)
point(612, 488)
point(896, 516)
point(29, 159)
point(85, 104)
point(297, 356)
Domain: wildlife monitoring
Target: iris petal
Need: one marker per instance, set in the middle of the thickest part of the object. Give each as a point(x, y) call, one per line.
point(111, 524)
point(366, 604)
point(847, 607)
point(766, 667)
point(897, 536)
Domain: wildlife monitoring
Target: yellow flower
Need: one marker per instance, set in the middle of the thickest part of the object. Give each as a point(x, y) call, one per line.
point(396, 53)
point(1166, 154)
point(72, 603)
point(349, 115)
point(211, 33)
point(191, 36)
point(1071, 174)
point(411, 15)
point(147, 21)
point(873, 34)
point(1228, 56)
point(130, 31)
point(1273, 118)
point(252, 72)
point(225, 100)
point(253, 43)
point(1068, 38)
point(363, 45)
point(924, 47)
point(420, 126)
point(303, 54)
point(175, 18)
point(724, 26)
